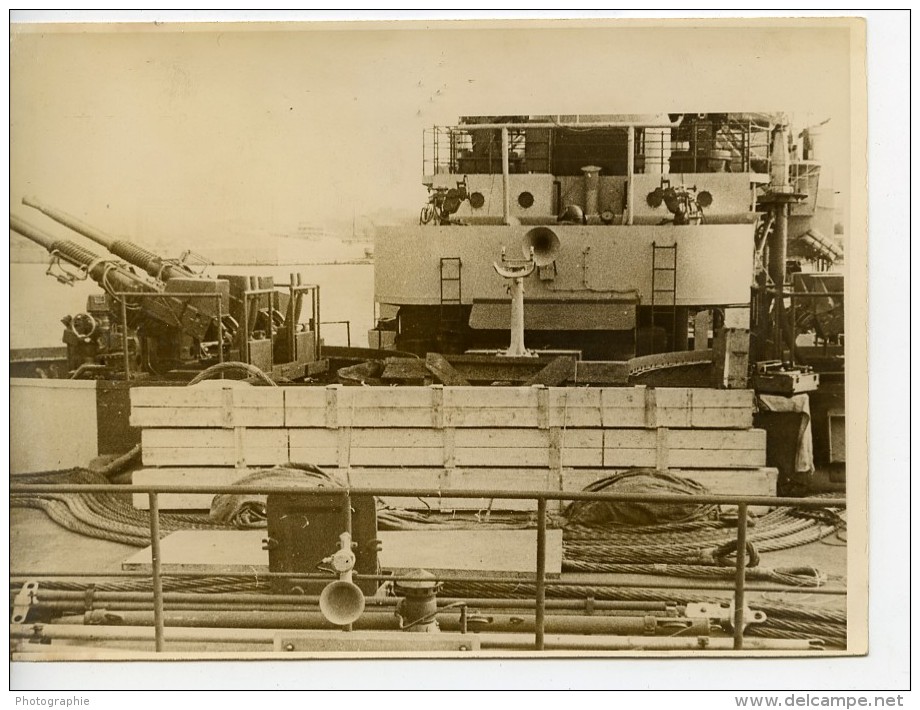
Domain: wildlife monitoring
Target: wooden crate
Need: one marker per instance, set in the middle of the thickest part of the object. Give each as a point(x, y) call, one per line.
point(487, 448)
point(731, 348)
point(208, 405)
point(450, 438)
point(539, 407)
point(437, 406)
point(214, 447)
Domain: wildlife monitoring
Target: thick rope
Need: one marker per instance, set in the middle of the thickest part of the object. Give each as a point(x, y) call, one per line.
point(113, 517)
point(687, 548)
point(105, 516)
point(225, 367)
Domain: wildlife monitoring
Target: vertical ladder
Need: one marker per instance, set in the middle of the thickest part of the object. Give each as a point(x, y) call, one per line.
point(664, 290)
point(451, 308)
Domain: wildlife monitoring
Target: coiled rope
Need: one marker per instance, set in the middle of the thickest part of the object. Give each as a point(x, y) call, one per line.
point(697, 545)
point(105, 516)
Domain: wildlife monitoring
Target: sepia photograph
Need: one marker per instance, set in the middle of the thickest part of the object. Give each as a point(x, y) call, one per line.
point(429, 339)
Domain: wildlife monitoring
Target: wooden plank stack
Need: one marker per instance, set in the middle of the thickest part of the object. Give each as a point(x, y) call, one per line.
point(449, 438)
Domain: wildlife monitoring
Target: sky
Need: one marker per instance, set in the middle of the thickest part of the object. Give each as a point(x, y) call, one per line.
point(189, 133)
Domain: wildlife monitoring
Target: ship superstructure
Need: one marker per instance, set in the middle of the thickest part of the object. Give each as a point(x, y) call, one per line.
point(635, 223)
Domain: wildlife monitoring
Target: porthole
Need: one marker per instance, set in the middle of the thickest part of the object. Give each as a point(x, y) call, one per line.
point(525, 200)
point(477, 200)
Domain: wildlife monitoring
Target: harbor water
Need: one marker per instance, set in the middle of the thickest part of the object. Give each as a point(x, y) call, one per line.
point(38, 301)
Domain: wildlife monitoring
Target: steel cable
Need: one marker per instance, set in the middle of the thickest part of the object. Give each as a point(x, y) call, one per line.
point(804, 577)
point(112, 516)
point(787, 620)
point(682, 548)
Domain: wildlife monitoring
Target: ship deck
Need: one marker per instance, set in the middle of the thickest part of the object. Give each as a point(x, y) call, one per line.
point(39, 545)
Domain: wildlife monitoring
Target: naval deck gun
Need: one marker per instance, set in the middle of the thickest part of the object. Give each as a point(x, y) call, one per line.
point(171, 320)
point(161, 327)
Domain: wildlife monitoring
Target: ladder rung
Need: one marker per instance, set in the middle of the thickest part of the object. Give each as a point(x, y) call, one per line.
point(451, 307)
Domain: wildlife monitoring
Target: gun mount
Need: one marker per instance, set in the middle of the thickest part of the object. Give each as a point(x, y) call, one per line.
point(165, 328)
point(170, 321)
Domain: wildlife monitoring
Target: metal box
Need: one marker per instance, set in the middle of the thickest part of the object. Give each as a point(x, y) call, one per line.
point(731, 347)
point(260, 353)
point(305, 529)
point(773, 378)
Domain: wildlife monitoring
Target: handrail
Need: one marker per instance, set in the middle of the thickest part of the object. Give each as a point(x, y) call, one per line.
point(541, 496)
point(346, 323)
point(505, 494)
point(747, 142)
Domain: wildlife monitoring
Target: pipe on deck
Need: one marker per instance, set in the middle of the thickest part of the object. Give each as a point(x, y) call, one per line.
point(510, 642)
point(386, 621)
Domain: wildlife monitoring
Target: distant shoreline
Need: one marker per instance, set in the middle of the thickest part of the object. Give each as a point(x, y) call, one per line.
point(30, 257)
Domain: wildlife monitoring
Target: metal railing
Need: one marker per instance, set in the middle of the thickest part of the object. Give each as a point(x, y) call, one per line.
point(700, 147)
point(794, 296)
point(346, 323)
point(471, 150)
point(704, 147)
point(296, 290)
point(540, 496)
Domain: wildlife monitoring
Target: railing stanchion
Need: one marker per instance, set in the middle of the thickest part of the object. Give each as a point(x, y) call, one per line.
point(124, 337)
point(541, 496)
point(347, 511)
point(348, 529)
point(220, 328)
point(541, 573)
point(346, 323)
point(740, 562)
point(156, 562)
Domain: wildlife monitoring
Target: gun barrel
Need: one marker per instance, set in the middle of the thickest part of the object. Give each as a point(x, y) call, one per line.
point(20, 226)
point(64, 248)
point(98, 269)
point(134, 254)
point(195, 316)
point(71, 222)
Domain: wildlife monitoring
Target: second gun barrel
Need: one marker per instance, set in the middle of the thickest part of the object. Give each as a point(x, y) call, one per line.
point(133, 253)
